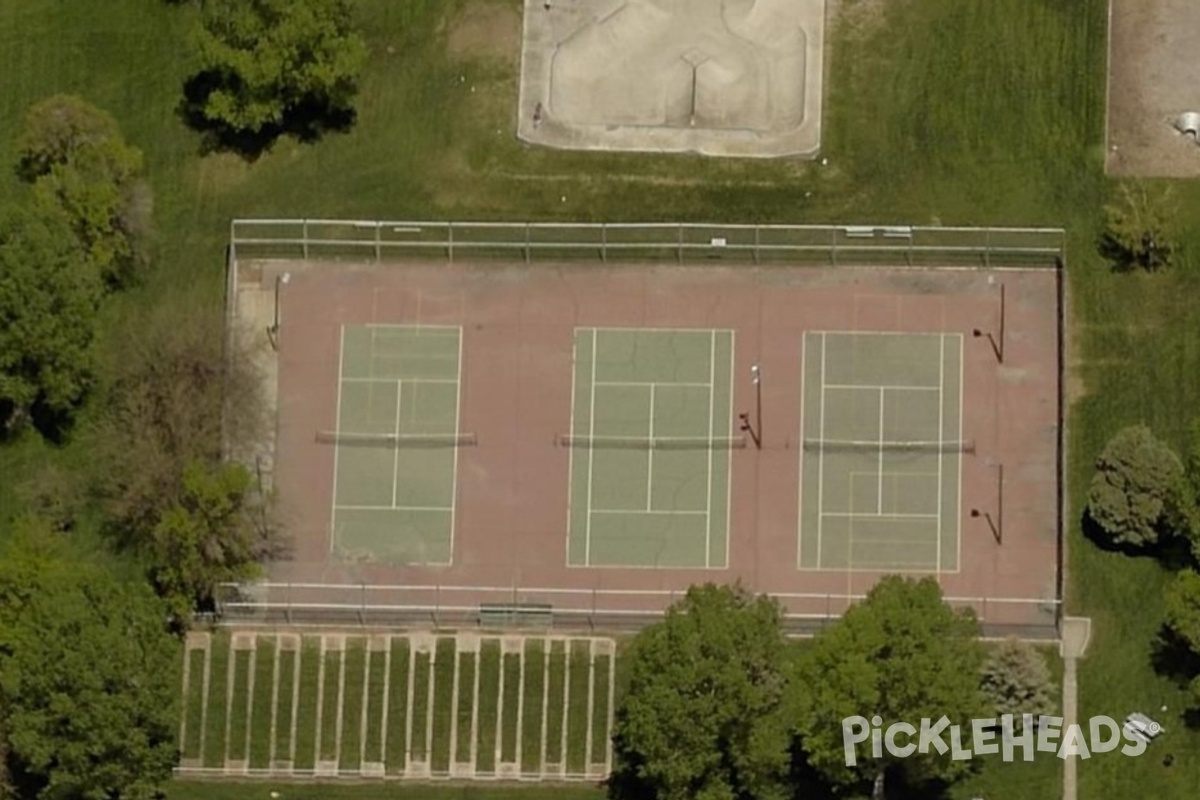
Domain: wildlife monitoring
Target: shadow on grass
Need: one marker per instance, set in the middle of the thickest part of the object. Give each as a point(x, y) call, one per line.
point(308, 119)
point(1172, 550)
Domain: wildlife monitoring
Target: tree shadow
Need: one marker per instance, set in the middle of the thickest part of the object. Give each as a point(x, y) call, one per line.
point(1096, 534)
point(308, 119)
point(1118, 257)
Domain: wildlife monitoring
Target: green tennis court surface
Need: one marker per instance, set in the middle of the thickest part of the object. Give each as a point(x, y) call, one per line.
point(650, 433)
point(396, 459)
point(882, 451)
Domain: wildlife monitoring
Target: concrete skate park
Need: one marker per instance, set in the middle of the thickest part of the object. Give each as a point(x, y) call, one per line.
point(715, 77)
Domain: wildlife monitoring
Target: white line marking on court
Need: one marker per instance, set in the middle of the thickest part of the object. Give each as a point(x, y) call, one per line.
point(393, 380)
point(571, 457)
point(821, 454)
point(396, 457)
point(447, 509)
point(712, 397)
point(856, 514)
point(636, 331)
point(422, 329)
point(904, 387)
point(587, 529)
point(728, 455)
point(337, 448)
point(650, 457)
point(800, 468)
point(958, 518)
point(693, 385)
point(879, 495)
point(457, 430)
point(656, 513)
point(941, 433)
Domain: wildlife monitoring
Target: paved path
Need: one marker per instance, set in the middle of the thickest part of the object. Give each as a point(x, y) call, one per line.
point(1075, 634)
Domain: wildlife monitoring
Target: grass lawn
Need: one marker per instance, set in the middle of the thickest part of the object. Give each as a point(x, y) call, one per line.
point(577, 706)
point(489, 704)
point(350, 756)
point(260, 711)
point(306, 714)
point(193, 706)
point(600, 732)
point(556, 705)
point(195, 790)
point(535, 708)
point(443, 703)
point(510, 716)
point(284, 716)
point(465, 710)
point(331, 704)
point(420, 706)
point(397, 731)
point(376, 675)
point(218, 685)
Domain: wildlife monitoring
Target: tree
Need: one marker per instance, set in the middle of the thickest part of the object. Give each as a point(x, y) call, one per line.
point(703, 715)
point(274, 66)
point(214, 533)
point(1137, 493)
point(88, 679)
point(1182, 623)
point(1137, 230)
point(1016, 680)
point(74, 155)
point(48, 301)
point(901, 654)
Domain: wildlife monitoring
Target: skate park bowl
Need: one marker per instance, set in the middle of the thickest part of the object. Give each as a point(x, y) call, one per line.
point(715, 77)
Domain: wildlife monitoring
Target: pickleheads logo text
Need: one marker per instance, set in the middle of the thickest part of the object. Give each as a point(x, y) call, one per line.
point(993, 736)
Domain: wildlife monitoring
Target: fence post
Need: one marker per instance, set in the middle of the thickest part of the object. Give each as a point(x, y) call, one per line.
point(526, 242)
point(833, 246)
point(604, 242)
point(304, 238)
point(679, 253)
point(757, 243)
point(987, 247)
point(450, 241)
point(378, 242)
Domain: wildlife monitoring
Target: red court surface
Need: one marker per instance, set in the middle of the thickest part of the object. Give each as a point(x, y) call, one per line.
point(518, 327)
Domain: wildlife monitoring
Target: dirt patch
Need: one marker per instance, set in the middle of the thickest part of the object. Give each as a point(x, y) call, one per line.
point(1154, 75)
point(485, 29)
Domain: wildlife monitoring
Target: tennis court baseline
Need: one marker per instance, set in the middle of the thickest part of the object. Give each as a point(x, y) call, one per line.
point(881, 461)
point(396, 442)
point(650, 437)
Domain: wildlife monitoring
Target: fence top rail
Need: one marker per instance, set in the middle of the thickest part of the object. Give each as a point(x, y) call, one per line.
point(510, 590)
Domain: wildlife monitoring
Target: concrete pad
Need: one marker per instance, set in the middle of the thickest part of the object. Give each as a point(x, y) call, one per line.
point(716, 77)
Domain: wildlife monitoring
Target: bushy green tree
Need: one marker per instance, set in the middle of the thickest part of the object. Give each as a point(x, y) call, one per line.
point(88, 676)
point(49, 296)
point(1016, 680)
point(1182, 620)
point(1137, 495)
point(264, 63)
point(1138, 229)
point(901, 654)
point(76, 159)
point(703, 716)
point(212, 534)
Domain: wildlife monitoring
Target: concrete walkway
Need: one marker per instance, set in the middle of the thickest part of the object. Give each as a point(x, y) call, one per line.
point(1075, 634)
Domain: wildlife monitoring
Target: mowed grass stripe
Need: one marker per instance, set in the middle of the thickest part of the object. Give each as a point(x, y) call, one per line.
point(398, 699)
point(284, 711)
point(350, 754)
point(599, 754)
point(218, 684)
point(443, 703)
point(306, 713)
point(554, 703)
point(329, 705)
point(376, 675)
point(193, 705)
point(420, 706)
point(531, 720)
point(260, 708)
point(489, 704)
point(464, 733)
point(511, 717)
point(577, 706)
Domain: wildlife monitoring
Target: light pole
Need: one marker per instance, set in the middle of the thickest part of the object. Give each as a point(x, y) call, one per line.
point(755, 429)
point(273, 331)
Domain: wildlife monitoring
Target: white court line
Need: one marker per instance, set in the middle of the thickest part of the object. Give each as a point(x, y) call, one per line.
point(800, 469)
point(958, 518)
point(421, 329)
point(449, 509)
point(656, 513)
point(729, 454)
point(393, 380)
point(905, 387)
point(821, 454)
point(587, 530)
point(337, 448)
point(941, 432)
point(712, 396)
point(653, 330)
point(571, 457)
point(457, 431)
point(693, 384)
point(650, 457)
point(879, 495)
point(396, 457)
point(877, 516)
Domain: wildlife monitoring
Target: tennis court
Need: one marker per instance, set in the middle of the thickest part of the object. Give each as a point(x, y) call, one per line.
point(396, 442)
point(651, 440)
point(881, 461)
